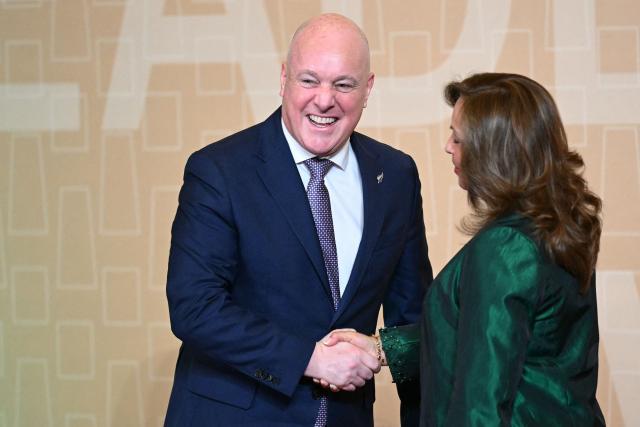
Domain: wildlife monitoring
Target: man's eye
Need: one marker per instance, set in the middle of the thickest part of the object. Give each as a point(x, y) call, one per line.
point(345, 87)
point(307, 82)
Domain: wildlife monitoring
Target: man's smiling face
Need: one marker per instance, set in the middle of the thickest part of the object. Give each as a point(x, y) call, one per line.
point(324, 86)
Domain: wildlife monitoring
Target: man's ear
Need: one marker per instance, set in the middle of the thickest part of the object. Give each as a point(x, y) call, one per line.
point(370, 81)
point(283, 77)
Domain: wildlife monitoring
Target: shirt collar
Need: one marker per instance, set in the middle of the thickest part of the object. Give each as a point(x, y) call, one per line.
point(340, 158)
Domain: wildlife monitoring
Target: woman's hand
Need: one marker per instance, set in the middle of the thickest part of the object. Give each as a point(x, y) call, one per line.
point(365, 342)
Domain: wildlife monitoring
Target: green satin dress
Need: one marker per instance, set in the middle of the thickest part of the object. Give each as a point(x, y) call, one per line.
point(506, 339)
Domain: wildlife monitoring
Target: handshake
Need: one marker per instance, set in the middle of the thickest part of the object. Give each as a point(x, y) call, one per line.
point(345, 359)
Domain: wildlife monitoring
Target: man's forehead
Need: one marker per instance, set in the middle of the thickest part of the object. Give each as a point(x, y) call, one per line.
point(338, 36)
point(311, 55)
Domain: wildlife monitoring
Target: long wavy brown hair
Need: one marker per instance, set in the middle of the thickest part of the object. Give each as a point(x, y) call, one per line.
point(515, 158)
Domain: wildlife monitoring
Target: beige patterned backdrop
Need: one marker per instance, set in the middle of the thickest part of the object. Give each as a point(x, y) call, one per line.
point(101, 102)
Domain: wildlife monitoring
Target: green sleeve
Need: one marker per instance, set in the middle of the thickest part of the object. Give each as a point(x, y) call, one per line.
point(500, 284)
point(401, 345)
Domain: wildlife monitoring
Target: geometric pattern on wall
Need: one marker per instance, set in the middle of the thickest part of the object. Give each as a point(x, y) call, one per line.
point(102, 101)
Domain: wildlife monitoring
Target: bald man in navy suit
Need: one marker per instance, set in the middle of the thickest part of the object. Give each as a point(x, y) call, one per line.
point(249, 289)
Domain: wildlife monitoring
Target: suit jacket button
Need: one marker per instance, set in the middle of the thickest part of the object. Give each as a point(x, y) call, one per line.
point(259, 374)
point(316, 393)
point(269, 378)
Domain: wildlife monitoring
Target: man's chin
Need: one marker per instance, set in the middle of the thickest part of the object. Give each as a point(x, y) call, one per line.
point(323, 148)
point(320, 145)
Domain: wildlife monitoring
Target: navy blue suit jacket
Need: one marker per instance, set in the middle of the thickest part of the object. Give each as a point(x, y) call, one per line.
point(248, 291)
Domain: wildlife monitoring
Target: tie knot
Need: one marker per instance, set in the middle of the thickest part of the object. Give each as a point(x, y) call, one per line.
point(318, 167)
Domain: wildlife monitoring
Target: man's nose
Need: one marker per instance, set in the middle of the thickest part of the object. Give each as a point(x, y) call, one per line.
point(325, 97)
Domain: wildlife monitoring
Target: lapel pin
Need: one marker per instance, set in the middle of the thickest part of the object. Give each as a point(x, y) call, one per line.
point(380, 177)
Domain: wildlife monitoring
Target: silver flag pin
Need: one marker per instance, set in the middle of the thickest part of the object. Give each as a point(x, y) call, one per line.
point(380, 177)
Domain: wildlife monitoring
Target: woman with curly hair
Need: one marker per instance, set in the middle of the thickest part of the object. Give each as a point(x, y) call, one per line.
point(509, 334)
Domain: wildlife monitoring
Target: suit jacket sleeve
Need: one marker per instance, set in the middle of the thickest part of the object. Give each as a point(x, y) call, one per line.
point(499, 289)
point(403, 302)
point(203, 263)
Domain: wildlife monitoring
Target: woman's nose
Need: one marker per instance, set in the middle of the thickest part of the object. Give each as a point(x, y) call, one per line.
point(447, 146)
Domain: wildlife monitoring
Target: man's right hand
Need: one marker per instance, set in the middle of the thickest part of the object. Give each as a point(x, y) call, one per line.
point(343, 365)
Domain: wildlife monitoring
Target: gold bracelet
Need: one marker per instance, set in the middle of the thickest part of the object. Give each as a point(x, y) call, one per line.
point(379, 349)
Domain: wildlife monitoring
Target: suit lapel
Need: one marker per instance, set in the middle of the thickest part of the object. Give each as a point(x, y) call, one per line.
point(372, 195)
point(281, 179)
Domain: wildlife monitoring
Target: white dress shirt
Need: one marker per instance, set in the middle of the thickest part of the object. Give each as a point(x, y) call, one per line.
point(345, 192)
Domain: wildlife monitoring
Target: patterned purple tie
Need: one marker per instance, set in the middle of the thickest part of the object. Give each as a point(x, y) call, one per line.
point(321, 209)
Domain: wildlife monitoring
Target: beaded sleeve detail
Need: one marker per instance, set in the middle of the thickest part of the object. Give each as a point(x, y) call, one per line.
point(401, 345)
